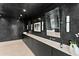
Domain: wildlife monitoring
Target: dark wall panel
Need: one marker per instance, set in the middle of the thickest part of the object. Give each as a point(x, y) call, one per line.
point(71, 10)
point(55, 52)
point(38, 48)
point(10, 30)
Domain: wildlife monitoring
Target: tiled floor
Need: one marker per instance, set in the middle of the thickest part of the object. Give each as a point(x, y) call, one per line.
point(14, 48)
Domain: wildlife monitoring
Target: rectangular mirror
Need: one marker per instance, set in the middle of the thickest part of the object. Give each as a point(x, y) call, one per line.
point(53, 23)
point(37, 27)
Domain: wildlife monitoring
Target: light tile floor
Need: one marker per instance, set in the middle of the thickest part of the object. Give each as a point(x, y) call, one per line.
point(15, 48)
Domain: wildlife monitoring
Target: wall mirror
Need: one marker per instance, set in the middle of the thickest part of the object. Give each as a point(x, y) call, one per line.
point(37, 27)
point(53, 23)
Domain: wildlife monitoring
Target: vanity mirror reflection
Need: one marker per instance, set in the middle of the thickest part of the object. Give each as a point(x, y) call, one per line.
point(53, 23)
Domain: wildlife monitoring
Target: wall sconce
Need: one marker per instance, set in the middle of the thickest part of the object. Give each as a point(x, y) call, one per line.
point(67, 23)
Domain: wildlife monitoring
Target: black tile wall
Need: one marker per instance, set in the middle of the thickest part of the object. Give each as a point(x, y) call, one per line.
point(10, 30)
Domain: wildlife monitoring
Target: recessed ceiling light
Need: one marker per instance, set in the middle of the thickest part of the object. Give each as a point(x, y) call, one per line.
point(24, 10)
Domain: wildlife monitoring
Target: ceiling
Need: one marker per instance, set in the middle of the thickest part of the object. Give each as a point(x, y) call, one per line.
point(33, 10)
